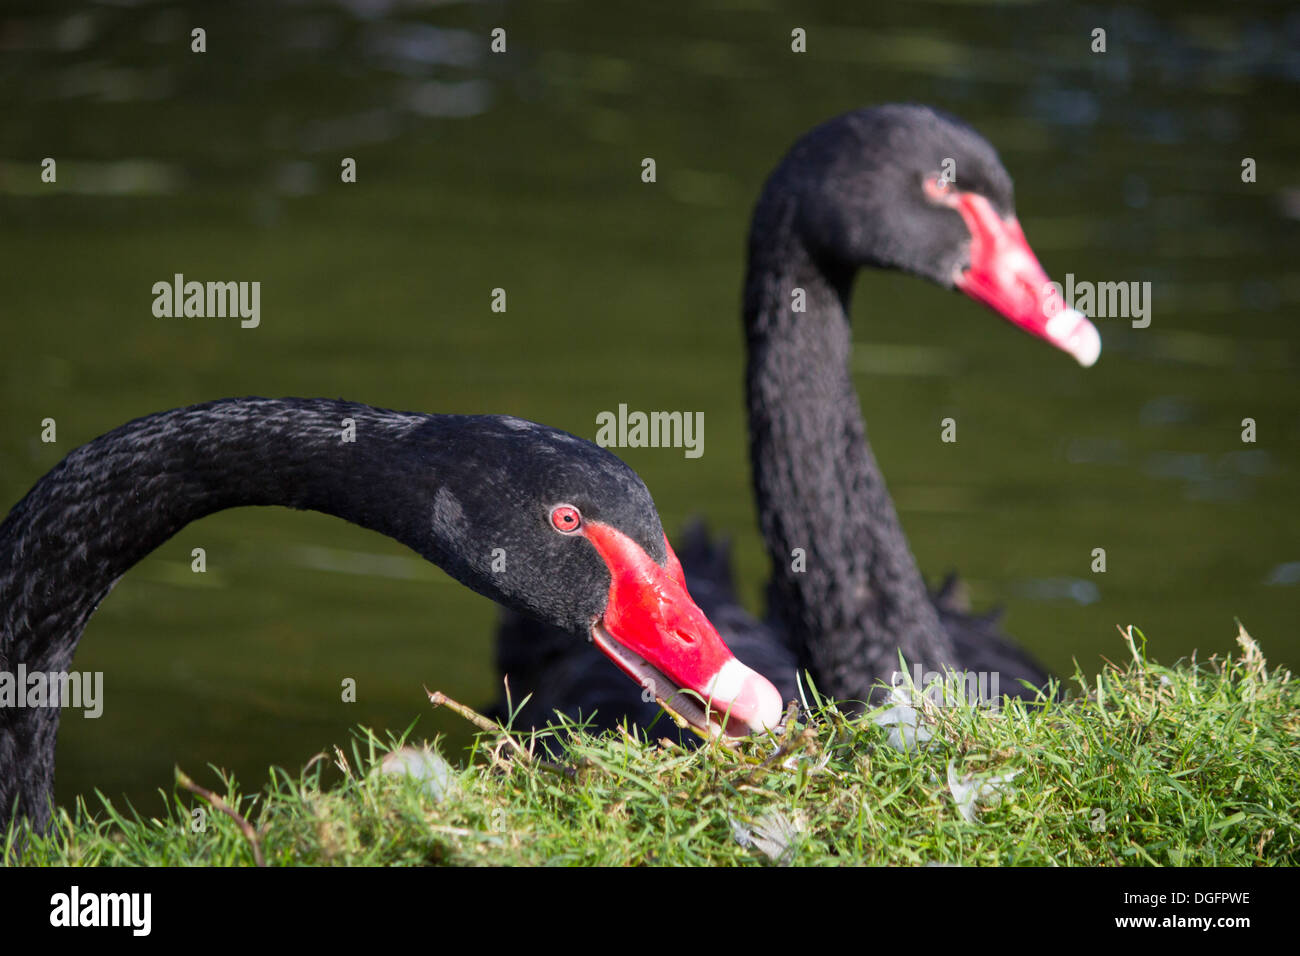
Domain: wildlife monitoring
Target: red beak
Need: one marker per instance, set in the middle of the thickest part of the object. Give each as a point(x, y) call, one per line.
point(1005, 275)
point(656, 634)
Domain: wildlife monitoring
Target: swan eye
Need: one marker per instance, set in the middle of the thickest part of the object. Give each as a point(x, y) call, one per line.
point(937, 188)
point(566, 519)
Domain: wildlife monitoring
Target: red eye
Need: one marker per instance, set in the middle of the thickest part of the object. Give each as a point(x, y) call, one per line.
point(566, 519)
point(937, 188)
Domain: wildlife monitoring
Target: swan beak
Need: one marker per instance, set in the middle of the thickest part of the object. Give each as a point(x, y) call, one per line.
point(658, 636)
point(1005, 275)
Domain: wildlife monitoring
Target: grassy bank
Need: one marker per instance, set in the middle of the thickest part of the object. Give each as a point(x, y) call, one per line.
point(1195, 764)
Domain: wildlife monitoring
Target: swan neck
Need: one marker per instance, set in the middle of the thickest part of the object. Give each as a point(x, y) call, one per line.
point(844, 585)
point(112, 501)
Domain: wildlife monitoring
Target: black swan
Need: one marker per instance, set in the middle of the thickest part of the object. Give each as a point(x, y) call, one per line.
point(893, 187)
point(532, 517)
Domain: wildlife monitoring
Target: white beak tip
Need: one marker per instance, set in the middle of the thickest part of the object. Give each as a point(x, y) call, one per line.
point(748, 695)
point(1070, 330)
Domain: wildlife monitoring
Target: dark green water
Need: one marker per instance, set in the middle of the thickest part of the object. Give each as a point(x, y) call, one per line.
point(522, 172)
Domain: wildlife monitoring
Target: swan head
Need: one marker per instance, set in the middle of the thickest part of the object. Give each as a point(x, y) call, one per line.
point(561, 529)
point(908, 187)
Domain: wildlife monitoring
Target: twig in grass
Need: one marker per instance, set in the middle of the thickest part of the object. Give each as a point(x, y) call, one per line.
point(793, 741)
point(246, 828)
point(438, 699)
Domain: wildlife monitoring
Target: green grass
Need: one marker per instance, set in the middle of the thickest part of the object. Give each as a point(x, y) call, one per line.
point(1195, 764)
